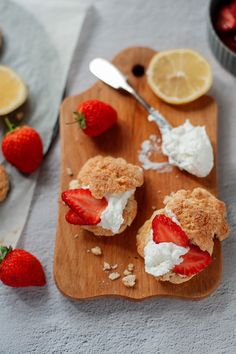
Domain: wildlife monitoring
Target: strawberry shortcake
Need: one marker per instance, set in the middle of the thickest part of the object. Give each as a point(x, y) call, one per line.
point(101, 199)
point(177, 241)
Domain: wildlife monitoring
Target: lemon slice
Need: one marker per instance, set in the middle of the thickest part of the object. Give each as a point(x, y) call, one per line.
point(179, 76)
point(13, 91)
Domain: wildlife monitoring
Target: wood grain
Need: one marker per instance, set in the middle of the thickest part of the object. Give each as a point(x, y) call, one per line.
point(78, 274)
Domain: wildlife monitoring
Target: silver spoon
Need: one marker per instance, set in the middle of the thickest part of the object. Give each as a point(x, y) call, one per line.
point(108, 73)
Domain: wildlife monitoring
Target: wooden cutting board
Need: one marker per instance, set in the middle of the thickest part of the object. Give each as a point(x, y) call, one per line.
point(78, 273)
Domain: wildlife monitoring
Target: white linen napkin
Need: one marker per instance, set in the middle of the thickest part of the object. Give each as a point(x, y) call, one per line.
point(62, 20)
point(59, 24)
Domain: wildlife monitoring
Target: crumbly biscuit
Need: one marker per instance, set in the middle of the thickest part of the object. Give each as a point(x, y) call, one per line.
point(201, 216)
point(129, 214)
point(4, 183)
point(109, 175)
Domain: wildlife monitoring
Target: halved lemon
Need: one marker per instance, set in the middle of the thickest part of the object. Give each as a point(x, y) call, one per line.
point(13, 91)
point(179, 76)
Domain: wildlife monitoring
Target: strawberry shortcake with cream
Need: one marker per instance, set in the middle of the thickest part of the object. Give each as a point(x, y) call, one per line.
point(102, 198)
point(177, 241)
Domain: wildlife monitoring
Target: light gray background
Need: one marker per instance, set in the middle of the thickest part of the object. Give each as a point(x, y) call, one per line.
point(42, 320)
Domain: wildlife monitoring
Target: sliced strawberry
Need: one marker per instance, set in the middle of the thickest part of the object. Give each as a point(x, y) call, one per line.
point(226, 20)
point(165, 230)
point(194, 261)
point(85, 205)
point(73, 218)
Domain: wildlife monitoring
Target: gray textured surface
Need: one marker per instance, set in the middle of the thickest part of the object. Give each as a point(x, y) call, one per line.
point(42, 320)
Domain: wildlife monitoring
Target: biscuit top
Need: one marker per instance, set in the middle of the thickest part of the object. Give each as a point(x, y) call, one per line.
point(201, 216)
point(109, 175)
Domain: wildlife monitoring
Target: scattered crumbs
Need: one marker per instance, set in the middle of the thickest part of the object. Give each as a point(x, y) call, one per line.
point(114, 266)
point(153, 207)
point(114, 276)
point(129, 281)
point(88, 251)
point(96, 251)
point(106, 266)
point(76, 236)
point(19, 115)
point(127, 272)
point(130, 267)
point(68, 171)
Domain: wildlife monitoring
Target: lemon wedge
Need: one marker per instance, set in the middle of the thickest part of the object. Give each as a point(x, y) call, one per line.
point(179, 76)
point(13, 91)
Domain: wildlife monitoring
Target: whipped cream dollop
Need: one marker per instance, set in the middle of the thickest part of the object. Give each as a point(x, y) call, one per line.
point(160, 258)
point(112, 215)
point(189, 148)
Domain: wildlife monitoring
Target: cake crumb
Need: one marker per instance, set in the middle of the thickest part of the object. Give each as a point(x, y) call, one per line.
point(106, 266)
point(114, 276)
point(127, 272)
point(130, 267)
point(88, 251)
point(76, 235)
point(69, 171)
point(96, 251)
point(153, 207)
point(19, 115)
point(114, 266)
point(129, 281)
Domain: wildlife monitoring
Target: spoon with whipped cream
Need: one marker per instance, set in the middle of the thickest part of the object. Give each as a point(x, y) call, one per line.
point(187, 147)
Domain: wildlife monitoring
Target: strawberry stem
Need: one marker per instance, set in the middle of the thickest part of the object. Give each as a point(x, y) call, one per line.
point(4, 252)
point(9, 125)
point(80, 118)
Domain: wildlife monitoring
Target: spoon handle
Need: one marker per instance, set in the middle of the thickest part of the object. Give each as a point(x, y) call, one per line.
point(108, 73)
point(155, 115)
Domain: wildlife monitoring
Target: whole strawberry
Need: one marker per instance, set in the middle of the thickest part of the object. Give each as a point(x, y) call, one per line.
point(23, 148)
point(19, 268)
point(95, 117)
